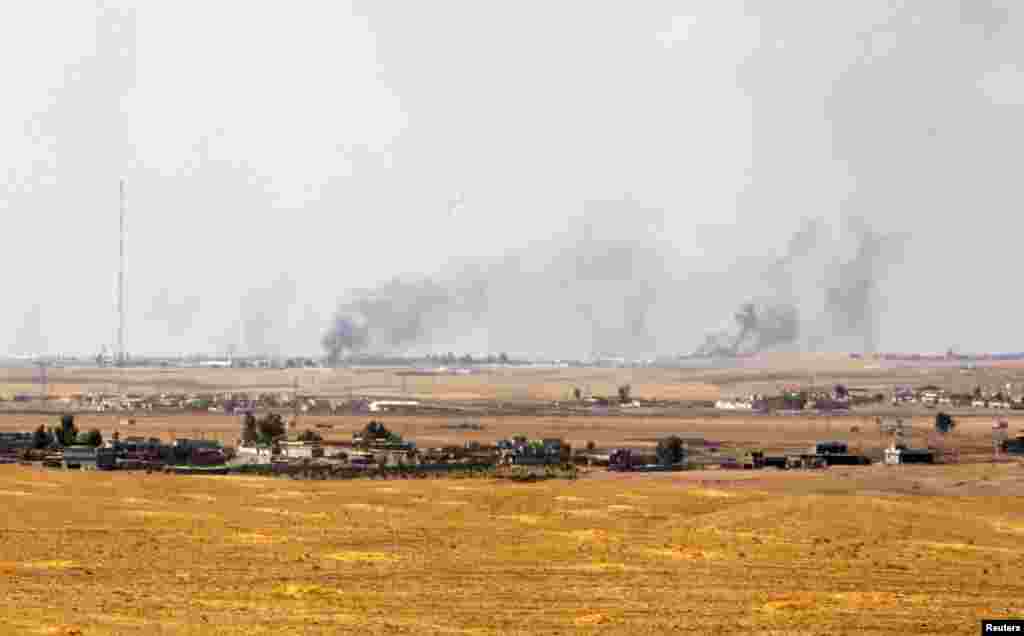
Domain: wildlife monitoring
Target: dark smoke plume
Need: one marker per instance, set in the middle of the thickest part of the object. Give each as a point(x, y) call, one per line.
point(176, 315)
point(264, 318)
point(760, 328)
point(853, 300)
point(344, 336)
point(398, 313)
point(592, 290)
point(772, 320)
point(850, 303)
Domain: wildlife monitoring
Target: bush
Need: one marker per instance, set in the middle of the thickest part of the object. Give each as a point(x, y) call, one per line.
point(944, 423)
point(310, 436)
point(270, 427)
point(250, 434)
point(67, 434)
point(670, 450)
point(42, 438)
point(92, 438)
point(625, 393)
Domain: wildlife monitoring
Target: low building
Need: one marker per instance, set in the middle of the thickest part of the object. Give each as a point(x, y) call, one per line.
point(899, 454)
point(13, 442)
point(301, 450)
point(89, 458)
point(384, 405)
point(259, 451)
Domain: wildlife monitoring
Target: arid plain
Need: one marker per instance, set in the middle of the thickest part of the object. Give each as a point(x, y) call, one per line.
point(907, 549)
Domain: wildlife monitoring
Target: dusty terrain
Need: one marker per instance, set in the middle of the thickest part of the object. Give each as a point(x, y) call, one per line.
point(484, 395)
point(697, 382)
point(108, 553)
point(513, 383)
point(929, 549)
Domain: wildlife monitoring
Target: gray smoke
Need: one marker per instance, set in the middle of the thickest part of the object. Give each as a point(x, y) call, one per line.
point(396, 314)
point(344, 336)
point(851, 268)
point(176, 315)
point(264, 317)
point(30, 338)
point(772, 319)
point(760, 327)
point(852, 302)
point(590, 290)
point(984, 14)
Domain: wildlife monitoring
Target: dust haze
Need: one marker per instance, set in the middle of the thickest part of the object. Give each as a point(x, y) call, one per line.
point(800, 176)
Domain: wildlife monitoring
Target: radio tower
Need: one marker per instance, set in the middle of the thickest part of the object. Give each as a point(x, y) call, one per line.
point(121, 356)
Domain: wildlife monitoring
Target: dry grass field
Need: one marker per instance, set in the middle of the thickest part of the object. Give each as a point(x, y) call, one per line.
point(929, 549)
point(831, 553)
point(764, 374)
point(511, 384)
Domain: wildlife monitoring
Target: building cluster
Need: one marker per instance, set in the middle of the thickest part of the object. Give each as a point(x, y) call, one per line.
point(521, 451)
point(129, 453)
point(375, 447)
point(933, 396)
point(229, 403)
point(792, 399)
point(839, 399)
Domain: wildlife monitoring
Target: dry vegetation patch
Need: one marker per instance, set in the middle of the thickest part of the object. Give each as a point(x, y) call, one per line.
point(577, 557)
point(352, 556)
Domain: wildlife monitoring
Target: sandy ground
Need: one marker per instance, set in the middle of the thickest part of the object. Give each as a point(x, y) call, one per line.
point(763, 375)
point(877, 550)
point(109, 553)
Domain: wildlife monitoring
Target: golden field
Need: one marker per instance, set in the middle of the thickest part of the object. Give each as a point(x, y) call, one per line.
point(511, 384)
point(514, 383)
point(913, 549)
point(785, 553)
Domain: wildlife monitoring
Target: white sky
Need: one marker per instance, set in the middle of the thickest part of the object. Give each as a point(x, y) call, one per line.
point(323, 142)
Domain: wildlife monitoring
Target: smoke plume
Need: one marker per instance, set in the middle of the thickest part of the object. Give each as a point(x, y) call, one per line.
point(30, 338)
point(591, 290)
point(264, 317)
point(849, 269)
point(344, 336)
point(853, 300)
point(176, 315)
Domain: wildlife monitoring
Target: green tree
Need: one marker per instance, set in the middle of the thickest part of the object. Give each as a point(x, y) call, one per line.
point(624, 393)
point(92, 438)
point(67, 434)
point(310, 436)
point(670, 450)
point(944, 423)
point(270, 427)
point(249, 432)
point(42, 438)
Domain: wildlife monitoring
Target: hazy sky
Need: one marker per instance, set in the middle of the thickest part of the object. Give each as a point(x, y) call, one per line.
point(279, 155)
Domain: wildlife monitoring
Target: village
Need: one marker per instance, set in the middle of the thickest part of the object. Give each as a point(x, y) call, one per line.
point(273, 445)
point(841, 398)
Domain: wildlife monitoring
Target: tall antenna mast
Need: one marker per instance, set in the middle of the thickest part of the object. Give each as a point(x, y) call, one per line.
point(120, 287)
